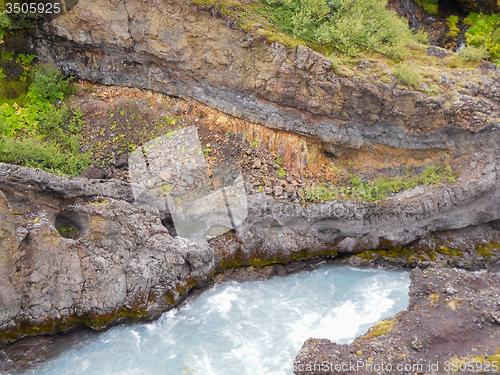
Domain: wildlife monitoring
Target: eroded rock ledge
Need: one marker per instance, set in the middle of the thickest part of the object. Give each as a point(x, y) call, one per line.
point(453, 315)
point(122, 264)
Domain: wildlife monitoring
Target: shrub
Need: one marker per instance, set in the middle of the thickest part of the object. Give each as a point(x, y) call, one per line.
point(484, 32)
point(430, 6)
point(407, 74)
point(49, 85)
point(46, 155)
point(422, 36)
point(44, 133)
point(366, 25)
point(298, 18)
point(471, 53)
point(452, 25)
point(349, 26)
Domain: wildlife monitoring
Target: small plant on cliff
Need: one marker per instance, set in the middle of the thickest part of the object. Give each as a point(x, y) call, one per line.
point(381, 328)
point(452, 25)
point(406, 74)
point(319, 193)
point(471, 53)
point(281, 173)
point(430, 6)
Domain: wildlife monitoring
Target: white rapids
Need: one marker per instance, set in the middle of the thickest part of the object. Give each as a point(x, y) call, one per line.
point(252, 328)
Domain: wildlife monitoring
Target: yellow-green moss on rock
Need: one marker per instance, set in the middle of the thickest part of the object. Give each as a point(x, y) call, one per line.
point(69, 323)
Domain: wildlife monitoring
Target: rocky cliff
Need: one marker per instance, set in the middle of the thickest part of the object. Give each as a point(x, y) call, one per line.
point(118, 263)
point(82, 252)
point(180, 49)
point(76, 252)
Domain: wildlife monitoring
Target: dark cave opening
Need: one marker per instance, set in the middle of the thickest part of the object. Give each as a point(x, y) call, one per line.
point(168, 223)
point(449, 7)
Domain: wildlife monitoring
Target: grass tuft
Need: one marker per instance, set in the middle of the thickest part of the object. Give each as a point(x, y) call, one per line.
point(406, 74)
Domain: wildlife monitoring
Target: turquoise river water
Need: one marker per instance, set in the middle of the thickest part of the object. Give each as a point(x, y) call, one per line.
point(252, 328)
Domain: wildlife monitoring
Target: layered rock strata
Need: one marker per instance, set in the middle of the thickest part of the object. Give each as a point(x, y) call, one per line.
point(179, 49)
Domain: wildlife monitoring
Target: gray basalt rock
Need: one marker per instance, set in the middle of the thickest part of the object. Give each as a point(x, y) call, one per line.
point(122, 263)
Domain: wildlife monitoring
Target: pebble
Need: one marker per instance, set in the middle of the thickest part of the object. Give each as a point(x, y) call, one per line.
point(278, 190)
point(188, 178)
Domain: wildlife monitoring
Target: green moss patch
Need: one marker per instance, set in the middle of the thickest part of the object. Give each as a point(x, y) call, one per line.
point(447, 251)
point(53, 326)
point(379, 329)
point(380, 188)
point(487, 251)
point(397, 253)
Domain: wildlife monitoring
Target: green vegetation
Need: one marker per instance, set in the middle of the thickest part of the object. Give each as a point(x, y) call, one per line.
point(446, 251)
point(407, 74)
point(279, 160)
point(488, 250)
point(17, 21)
point(491, 360)
point(471, 53)
point(434, 298)
point(15, 87)
point(408, 256)
point(333, 27)
point(484, 32)
point(380, 188)
point(281, 173)
point(381, 328)
point(452, 25)
point(346, 26)
point(431, 6)
point(68, 231)
point(44, 131)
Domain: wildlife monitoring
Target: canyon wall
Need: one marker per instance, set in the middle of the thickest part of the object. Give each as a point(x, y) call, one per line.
point(177, 48)
point(120, 263)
